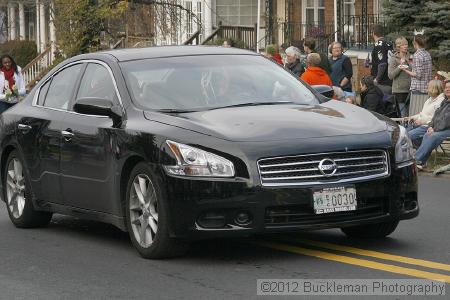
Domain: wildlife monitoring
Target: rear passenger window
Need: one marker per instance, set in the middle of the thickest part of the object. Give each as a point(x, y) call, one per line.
point(61, 88)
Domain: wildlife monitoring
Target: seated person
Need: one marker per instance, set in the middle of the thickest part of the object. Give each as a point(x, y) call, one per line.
point(371, 95)
point(314, 74)
point(421, 120)
point(437, 131)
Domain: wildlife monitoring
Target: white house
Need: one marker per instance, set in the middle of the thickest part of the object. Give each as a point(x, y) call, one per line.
point(29, 20)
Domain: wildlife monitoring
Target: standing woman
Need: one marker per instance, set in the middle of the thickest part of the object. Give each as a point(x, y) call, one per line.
point(12, 85)
point(341, 67)
point(420, 75)
point(401, 82)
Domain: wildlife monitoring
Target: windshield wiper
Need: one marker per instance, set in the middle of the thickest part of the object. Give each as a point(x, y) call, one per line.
point(253, 104)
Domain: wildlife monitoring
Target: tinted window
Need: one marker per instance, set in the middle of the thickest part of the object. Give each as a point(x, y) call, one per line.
point(62, 87)
point(211, 81)
point(97, 83)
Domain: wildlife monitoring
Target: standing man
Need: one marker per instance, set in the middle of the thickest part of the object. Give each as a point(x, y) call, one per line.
point(380, 56)
point(421, 74)
point(341, 66)
point(309, 46)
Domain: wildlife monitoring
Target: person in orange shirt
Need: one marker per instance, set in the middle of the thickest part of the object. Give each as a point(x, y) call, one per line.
point(315, 75)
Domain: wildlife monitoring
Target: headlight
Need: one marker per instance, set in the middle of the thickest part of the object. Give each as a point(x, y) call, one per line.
point(195, 162)
point(404, 155)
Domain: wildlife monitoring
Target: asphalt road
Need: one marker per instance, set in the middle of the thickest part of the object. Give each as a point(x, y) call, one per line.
point(78, 259)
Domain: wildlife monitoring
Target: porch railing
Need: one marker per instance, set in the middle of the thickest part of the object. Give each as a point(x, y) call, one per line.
point(138, 42)
point(37, 67)
point(355, 32)
point(245, 34)
point(195, 37)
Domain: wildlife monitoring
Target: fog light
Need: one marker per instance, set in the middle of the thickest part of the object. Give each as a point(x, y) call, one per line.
point(411, 205)
point(243, 218)
point(212, 220)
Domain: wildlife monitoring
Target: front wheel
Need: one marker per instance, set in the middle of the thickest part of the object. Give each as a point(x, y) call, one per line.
point(147, 216)
point(18, 195)
point(377, 230)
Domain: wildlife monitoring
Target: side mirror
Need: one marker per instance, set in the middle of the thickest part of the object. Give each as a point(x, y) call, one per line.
point(98, 107)
point(324, 90)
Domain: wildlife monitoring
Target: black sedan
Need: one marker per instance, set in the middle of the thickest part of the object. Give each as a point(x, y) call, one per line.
point(174, 144)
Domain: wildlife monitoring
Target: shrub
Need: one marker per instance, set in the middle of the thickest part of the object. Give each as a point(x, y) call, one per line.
point(23, 52)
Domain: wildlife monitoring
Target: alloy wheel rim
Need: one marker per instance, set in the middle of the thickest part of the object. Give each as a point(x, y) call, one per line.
point(15, 188)
point(143, 210)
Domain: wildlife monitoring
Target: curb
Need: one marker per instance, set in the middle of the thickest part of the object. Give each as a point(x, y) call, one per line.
point(430, 174)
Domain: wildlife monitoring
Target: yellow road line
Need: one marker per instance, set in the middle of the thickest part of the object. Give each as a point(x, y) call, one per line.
point(375, 254)
point(355, 261)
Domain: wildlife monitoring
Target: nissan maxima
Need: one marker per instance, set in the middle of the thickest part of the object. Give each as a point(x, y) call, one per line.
point(174, 144)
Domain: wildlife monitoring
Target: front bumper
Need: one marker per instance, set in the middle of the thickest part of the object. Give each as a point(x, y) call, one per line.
point(282, 209)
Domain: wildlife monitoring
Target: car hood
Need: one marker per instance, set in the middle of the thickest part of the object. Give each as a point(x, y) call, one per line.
point(276, 122)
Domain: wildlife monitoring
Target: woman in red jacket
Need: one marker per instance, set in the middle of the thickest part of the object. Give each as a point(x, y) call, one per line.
point(271, 53)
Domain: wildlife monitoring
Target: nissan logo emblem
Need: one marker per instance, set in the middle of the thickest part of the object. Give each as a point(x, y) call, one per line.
point(327, 167)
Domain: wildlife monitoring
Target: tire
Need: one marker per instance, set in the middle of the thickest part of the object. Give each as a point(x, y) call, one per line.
point(146, 207)
point(18, 195)
point(377, 230)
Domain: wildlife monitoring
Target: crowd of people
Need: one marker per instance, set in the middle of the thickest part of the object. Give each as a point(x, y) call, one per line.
point(399, 86)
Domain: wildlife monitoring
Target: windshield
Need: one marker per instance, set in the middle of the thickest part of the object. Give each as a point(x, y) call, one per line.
point(191, 83)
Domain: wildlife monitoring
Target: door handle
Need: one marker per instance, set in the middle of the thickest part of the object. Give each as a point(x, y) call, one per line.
point(24, 128)
point(67, 134)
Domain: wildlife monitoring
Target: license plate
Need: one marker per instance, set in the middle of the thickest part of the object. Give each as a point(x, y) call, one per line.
point(336, 199)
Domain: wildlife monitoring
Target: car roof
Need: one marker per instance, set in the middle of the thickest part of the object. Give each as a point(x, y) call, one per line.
point(166, 51)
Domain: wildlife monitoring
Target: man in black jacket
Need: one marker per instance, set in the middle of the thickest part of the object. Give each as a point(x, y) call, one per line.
point(438, 130)
point(380, 56)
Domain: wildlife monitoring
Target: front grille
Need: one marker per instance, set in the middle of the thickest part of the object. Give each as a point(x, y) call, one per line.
point(304, 169)
point(303, 214)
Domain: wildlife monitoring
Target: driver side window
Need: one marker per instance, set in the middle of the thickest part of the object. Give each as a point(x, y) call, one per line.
point(97, 83)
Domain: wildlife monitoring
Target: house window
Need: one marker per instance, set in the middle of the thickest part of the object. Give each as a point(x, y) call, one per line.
point(194, 11)
point(314, 12)
point(199, 14)
point(189, 27)
point(349, 10)
point(237, 12)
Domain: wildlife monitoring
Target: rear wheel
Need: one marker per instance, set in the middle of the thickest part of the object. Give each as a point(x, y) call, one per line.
point(377, 230)
point(18, 196)
point(147, 216)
